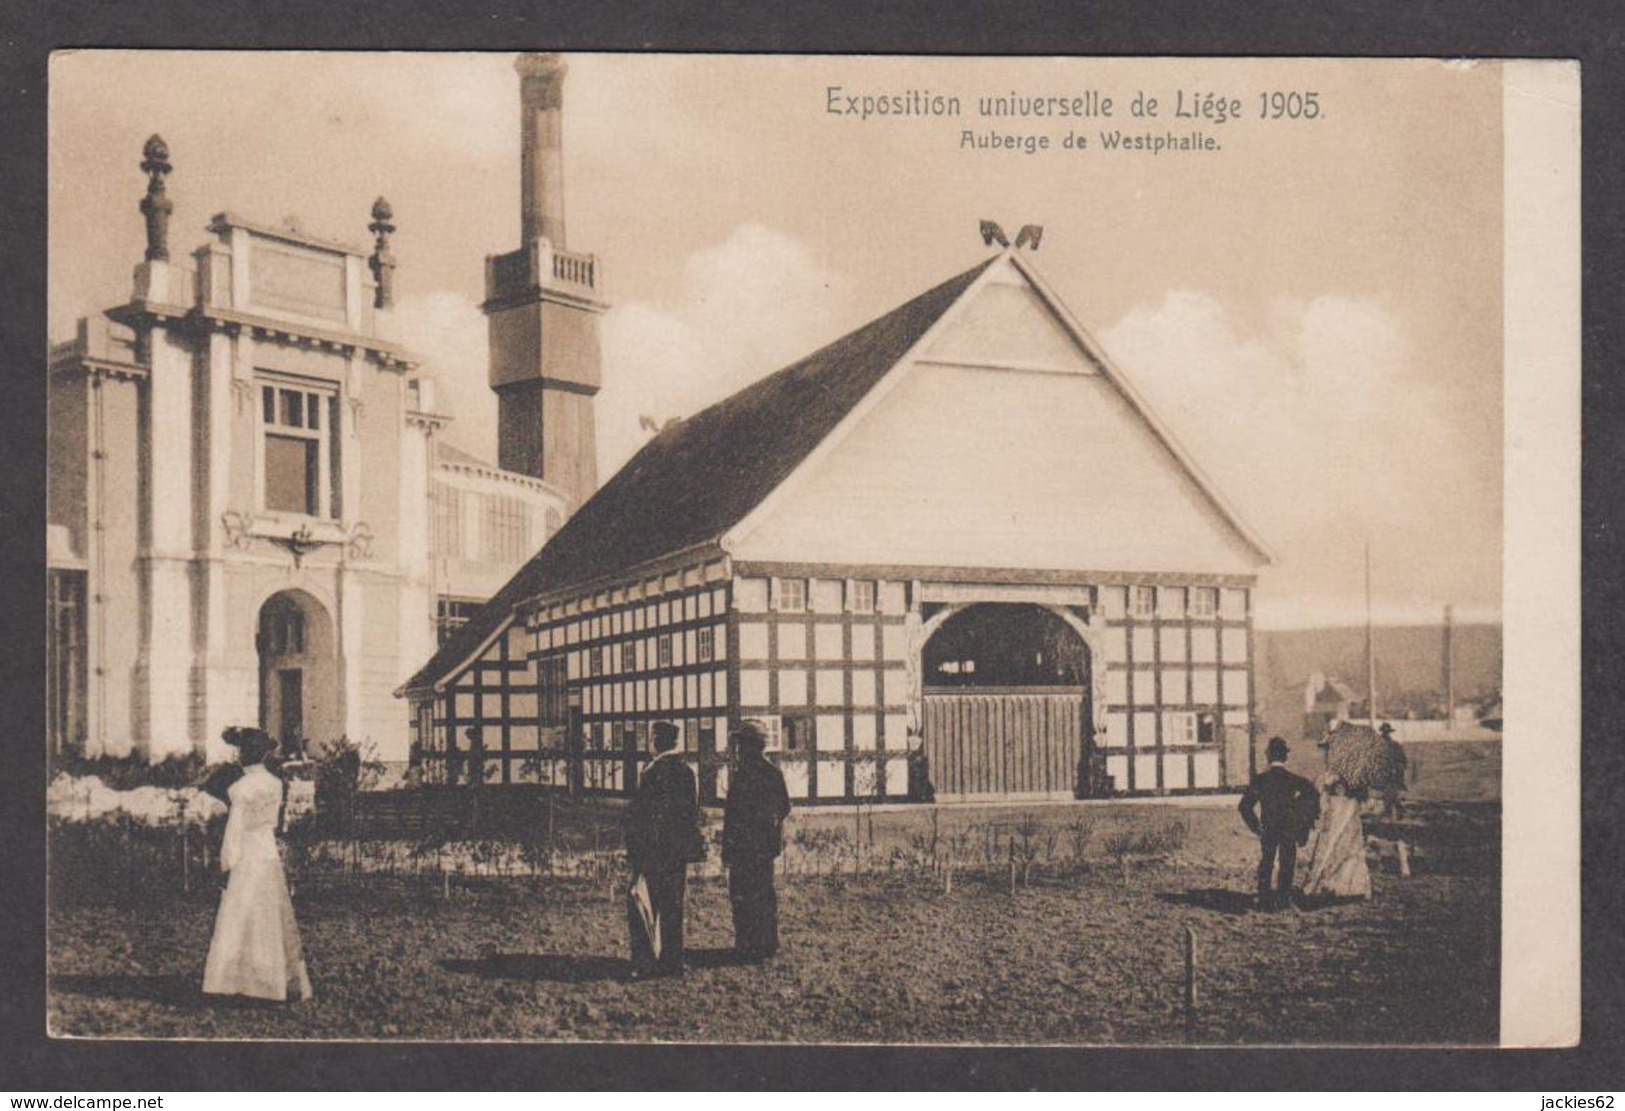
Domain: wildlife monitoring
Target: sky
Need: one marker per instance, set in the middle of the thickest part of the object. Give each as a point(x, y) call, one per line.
point(1314, 307)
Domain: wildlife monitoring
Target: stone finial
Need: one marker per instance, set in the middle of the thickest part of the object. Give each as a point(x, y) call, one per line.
point(382, 261)
point(156, 206)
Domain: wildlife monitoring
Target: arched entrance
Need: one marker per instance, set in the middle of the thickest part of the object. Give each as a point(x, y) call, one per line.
point(298, 675)
point(1006, 702)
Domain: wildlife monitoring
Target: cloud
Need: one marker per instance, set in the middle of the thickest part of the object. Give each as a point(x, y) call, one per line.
point(1321, 431)
point(746, 306)
point(447, 329)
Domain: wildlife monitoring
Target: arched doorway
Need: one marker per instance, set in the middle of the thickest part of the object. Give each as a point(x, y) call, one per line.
point(1006, 702)
point(298, 676)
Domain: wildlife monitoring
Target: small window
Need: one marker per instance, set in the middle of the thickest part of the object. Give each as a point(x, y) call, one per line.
point(1207, 729)
point(705, 645)
point(792, 595)
point(863, 596)
point(663, 651)
point(1143, 601)
point(629, 656)
point(1204, 601)
point(797, 732)
point(1179, 729)
point(452, 614)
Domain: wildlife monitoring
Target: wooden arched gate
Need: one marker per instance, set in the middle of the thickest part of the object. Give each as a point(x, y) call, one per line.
point(1005, 703)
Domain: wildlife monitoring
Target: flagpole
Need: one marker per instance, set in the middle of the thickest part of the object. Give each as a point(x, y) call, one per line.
point(1370, 646)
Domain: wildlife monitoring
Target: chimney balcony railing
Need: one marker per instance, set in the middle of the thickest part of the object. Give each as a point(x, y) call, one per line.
point(541, 266)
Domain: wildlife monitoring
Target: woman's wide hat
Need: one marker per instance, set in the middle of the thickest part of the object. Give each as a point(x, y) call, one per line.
point(252, 744)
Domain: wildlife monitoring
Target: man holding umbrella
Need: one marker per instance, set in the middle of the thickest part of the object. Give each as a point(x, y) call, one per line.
point(662, 839)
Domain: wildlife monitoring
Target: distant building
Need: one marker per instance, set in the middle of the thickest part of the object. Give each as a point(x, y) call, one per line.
point(1327, 699)
point(252, 516)
point(960, 520)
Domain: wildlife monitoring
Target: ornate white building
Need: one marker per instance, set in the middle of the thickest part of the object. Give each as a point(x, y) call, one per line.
point(251, 514)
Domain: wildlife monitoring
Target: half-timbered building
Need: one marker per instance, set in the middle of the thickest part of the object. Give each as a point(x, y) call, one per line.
point(958, 529)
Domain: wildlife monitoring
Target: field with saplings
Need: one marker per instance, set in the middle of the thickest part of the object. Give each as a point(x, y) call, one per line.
point(1083, 923)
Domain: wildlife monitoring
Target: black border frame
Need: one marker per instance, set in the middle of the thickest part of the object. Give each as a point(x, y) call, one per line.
point(1592, 32)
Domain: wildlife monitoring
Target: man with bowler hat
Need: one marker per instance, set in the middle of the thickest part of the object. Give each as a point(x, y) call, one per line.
point(752, 836)
point(1290, 806)
point(662, 839)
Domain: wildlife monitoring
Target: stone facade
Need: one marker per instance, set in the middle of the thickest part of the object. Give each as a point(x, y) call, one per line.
point(248, 491)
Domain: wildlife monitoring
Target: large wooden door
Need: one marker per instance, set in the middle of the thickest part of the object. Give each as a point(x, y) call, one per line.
point(1009, 742)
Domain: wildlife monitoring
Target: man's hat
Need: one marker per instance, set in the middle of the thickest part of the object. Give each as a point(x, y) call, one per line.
point(751, 731)
point(1276, 750)
point(1386, 729)
point(665, 735)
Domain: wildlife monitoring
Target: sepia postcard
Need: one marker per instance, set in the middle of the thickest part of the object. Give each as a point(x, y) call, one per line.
point(759, 549)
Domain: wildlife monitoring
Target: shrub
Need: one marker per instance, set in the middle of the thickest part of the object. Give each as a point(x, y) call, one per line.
point(1079, 830)
point(126, 773)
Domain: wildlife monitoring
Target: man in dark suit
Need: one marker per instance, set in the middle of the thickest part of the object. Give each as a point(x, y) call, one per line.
point(662, 838)
point(752, 836)
point(1290, 806)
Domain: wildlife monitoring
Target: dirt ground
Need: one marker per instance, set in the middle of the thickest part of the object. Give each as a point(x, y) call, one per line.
point(1091, 952)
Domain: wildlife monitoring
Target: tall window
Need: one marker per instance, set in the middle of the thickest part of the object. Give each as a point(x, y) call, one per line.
point(863, 596)
point(705, 645)
point(629, 656)
point(663, 651)
point(555, 700)
point(65, 659)
point(506, 529)
point(448, 521)
point(298, 453)
point(282, 630)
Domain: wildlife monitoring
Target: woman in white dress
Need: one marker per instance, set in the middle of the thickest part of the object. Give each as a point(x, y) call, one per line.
point(1336, 850)
point(255, 950)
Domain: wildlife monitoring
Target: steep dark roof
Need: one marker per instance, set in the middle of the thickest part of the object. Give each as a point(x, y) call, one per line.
point(699, 478)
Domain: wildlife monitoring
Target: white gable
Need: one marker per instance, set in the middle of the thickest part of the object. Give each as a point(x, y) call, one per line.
point(998, 446)
point(1006, 323)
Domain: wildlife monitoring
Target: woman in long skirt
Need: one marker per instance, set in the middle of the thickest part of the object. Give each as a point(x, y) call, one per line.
point(255, 950)
point(1336, 866)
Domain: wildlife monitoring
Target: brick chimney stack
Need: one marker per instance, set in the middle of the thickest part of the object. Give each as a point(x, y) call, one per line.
point(541, 139)
point(543, 302)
